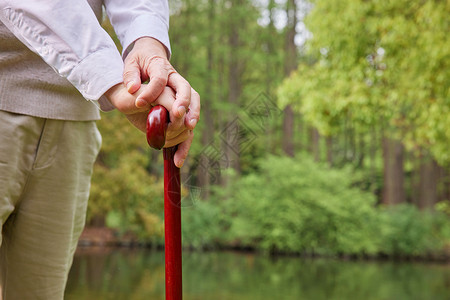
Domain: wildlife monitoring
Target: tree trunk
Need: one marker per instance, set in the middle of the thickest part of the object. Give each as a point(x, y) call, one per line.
point(444, 184)
point(393, 187)
point(288, 131)
point(414, 180)
point(290, 64)
point(203, 174)
point(428, 184)
point(373, 156)
point(360, 152)
point(231, 135)
point(329, 143)
point(232, 149)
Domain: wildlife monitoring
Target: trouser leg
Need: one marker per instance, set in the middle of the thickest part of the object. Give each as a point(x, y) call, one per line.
point(41, 233)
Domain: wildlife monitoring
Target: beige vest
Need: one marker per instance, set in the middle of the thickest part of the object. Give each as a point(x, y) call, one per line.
point(29, 86)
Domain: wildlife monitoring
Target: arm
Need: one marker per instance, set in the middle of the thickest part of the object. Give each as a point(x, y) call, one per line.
point(140, 18)
point(69, 38)
point(142, 28)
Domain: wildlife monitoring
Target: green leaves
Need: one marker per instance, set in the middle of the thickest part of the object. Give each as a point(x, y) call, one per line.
point(122, 191)
point(378, 62)
point(295, 205)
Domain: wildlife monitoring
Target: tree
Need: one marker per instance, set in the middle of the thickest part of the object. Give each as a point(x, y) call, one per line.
point(382, 65)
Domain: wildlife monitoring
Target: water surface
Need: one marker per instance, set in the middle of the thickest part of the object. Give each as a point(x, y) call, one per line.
point(139, 274)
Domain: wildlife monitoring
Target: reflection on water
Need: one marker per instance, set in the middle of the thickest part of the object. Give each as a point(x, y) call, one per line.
point(139, 274)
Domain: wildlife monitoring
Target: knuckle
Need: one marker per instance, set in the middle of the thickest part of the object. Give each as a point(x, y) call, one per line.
point(159, 81)
point(184, 99)
point(130, 59)
point(188, 85)
point(129, 73)
point(168, 89)
point(195, 115)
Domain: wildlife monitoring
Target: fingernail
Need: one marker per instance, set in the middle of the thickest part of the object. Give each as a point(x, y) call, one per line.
point(180, 164)
point(130, 85)
point(141, 103)
point(193, 122)
point(181, 111)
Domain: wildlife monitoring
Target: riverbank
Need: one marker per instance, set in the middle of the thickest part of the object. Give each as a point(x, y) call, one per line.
point(102, 237)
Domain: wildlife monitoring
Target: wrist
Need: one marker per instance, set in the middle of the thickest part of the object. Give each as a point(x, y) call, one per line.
point(112, 94)
point(152, 45)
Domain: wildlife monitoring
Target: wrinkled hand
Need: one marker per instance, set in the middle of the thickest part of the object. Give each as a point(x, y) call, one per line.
point(148, 61)
point(177, 132)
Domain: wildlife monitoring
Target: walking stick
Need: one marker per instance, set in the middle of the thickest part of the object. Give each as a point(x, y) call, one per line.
point(157, 121)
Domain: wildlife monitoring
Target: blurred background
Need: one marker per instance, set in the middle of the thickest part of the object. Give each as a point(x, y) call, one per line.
point(325, 132)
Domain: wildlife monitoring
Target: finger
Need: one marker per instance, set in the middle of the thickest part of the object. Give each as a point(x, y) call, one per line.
point(193, 116)
point(178, 139)
point(176, 123)
point(131, 75)
point(158, 80)
point(167, 99)
point(122, 100)
point(183, 150)
point(183, 93)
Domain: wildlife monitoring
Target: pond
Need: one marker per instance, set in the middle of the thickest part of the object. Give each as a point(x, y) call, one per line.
point(139, 274)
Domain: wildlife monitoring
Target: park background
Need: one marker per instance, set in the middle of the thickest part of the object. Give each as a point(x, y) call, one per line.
point(324, 132)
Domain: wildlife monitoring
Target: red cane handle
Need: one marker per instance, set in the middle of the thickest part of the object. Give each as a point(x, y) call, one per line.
point(157, 122)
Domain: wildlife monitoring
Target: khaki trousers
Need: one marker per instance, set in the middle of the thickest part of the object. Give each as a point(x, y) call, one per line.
point(45, 172)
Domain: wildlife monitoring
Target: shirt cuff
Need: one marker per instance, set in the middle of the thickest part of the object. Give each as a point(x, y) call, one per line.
point(97, 73)
point(149, 25)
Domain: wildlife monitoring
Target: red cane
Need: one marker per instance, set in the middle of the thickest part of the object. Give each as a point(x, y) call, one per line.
point(157, 121)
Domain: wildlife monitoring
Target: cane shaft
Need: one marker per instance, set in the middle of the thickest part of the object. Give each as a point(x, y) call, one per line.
point(172, 226)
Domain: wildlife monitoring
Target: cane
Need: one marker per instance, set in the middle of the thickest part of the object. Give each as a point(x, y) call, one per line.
point(157, 122)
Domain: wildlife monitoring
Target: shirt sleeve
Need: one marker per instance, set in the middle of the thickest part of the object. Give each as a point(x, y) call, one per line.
point(139, 18)
point(69, 38)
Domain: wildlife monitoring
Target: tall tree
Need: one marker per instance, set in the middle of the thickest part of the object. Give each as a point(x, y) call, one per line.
point(290, 64)
point(383, 63)
point(204, 177)
point(429, 179)
point(394, 178)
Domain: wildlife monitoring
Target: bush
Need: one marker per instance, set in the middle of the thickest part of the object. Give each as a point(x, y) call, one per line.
point(406, 231)
point(123, 193)
point(300, 206)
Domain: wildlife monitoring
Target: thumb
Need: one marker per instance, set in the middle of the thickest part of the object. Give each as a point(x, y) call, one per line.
point(132, 76)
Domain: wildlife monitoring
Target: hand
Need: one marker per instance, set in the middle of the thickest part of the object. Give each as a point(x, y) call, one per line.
point(177, 132)
point(148, 61)
point(124, 102)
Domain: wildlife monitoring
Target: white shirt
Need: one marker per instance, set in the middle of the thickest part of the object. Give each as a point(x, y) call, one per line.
point(68, 36)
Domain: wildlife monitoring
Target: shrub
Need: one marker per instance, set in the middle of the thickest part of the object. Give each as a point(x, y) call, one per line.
point(296, 205)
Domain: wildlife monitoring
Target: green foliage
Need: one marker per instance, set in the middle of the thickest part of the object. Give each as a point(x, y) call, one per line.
point(378, 62)
point(214, 42)
point(302, 197)
point(300, 206)
point(407, 231)
point(378, 66)
point(122, 190)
